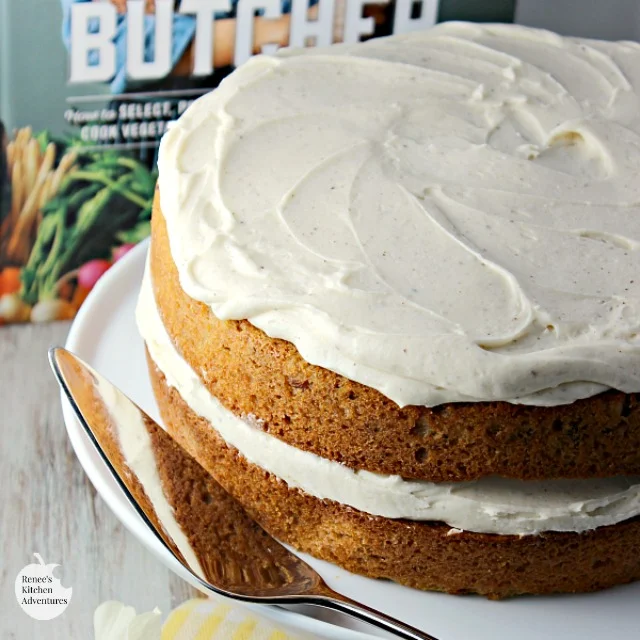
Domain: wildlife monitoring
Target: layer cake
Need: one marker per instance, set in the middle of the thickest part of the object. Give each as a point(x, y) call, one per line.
point(391, 304)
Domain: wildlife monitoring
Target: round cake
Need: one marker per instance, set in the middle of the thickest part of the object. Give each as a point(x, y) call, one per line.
point(392, 304)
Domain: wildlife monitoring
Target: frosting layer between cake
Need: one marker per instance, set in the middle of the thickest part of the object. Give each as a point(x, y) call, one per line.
point(489, 505)
point(443, 216)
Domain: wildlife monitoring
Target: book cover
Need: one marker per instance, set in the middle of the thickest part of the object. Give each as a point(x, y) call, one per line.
point(83, 111)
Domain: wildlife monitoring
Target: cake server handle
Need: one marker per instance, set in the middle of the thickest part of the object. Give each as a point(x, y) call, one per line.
point(325, 597)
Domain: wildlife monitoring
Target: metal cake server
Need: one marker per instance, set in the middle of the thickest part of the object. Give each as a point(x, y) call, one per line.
point(232, 555)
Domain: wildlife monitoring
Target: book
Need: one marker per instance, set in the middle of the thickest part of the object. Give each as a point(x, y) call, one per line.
point(87, 89)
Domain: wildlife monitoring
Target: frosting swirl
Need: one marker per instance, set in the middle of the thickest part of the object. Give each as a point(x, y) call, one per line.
point(452, 215)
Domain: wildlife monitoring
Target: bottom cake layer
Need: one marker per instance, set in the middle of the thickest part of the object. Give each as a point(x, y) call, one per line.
point(425, 555)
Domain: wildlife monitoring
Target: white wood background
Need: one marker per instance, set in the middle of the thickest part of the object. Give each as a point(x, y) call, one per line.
point(48, 506)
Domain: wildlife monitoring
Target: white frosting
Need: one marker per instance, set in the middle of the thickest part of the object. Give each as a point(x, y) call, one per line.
point(114, 620)
point(491, 505)
point(451, 215)
point(137, 451)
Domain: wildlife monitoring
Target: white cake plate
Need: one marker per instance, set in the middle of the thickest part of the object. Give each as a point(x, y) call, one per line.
point(104, 334)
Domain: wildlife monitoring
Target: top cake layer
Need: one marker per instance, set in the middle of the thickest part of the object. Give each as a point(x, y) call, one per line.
point(444, 216)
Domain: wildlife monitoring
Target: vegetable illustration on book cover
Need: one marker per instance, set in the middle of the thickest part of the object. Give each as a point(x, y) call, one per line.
point(77, 161)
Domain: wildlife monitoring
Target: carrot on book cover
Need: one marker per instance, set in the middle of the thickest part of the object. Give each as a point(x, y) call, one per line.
point(72, 209)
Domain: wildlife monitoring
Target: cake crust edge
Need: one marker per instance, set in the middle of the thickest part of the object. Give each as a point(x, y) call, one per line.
point(322, 412)
point(424, 555)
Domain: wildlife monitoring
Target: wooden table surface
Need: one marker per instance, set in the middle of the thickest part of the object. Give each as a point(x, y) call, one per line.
point(48, 506)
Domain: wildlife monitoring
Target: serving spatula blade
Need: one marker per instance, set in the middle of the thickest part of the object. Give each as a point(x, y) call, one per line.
point(202, 526)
